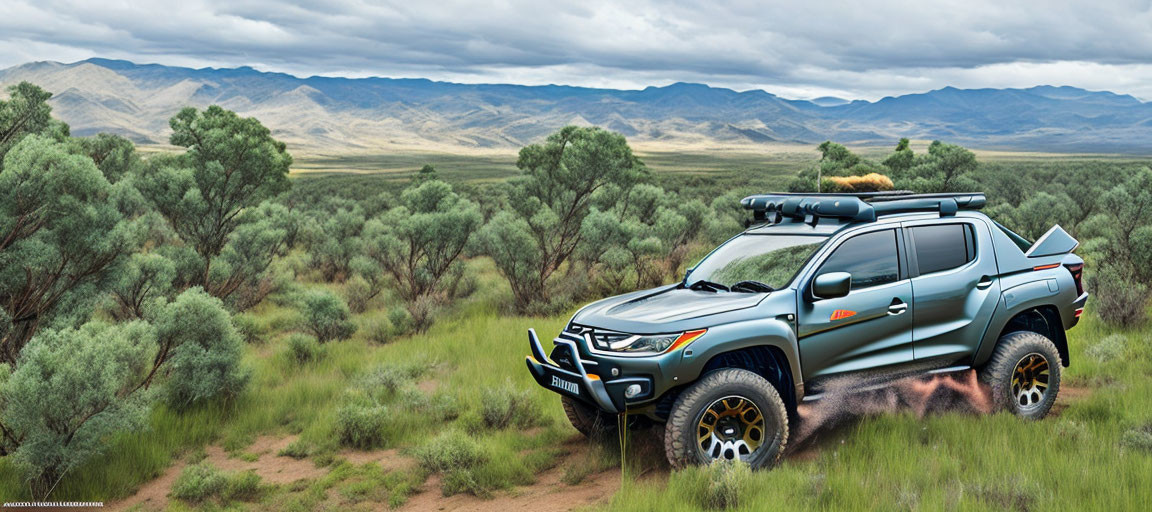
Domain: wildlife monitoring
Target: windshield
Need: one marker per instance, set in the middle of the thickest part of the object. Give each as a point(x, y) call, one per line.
point(771, 260)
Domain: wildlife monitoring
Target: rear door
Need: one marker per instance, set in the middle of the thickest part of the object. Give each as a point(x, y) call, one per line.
point(872, 325)
point(953, 284)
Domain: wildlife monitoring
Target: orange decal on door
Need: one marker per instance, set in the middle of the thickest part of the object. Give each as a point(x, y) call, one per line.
point(841, 314)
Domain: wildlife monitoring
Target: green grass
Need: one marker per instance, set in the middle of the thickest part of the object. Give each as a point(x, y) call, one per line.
point(1077, 460)
point(1094, 455)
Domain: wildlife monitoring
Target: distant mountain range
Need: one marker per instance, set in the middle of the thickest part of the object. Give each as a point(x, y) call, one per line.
point(334, 115)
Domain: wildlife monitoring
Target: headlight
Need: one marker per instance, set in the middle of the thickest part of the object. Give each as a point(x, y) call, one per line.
point(654, 343)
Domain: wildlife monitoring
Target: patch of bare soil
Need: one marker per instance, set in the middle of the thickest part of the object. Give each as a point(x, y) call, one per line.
point(271, 467)
point(428, 386)
point(548, 494)
point(1068, 396)
point(152, 495)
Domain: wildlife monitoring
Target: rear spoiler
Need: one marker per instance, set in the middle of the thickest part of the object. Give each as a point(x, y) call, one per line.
point(1054, 243)
point(1049, 251)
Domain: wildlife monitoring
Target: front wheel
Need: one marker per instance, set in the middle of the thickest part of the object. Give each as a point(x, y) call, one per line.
point(588, 420)
point(728, 414)
point(1024, 374)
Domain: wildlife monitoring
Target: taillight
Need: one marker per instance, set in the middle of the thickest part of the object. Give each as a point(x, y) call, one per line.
point(1077, 270)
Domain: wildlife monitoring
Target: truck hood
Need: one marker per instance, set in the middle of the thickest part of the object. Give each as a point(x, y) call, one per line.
point(661, 309)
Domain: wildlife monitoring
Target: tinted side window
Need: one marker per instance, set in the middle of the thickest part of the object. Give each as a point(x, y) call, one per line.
point(871, 259)
point(943, 247)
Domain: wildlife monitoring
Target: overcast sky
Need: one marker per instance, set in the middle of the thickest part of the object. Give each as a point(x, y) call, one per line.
point(809, 48)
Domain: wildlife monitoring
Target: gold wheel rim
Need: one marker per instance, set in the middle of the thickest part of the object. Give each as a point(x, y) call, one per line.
point(1030, 380)
point(730, 428)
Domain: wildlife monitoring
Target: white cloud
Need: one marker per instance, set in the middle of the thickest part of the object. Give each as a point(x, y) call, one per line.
point(798, 49)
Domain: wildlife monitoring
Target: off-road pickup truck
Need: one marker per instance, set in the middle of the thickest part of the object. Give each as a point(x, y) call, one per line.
point(819, 287)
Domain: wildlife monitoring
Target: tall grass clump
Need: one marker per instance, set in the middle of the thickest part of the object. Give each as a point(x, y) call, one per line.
point(508, 406)
point(361, 424)
point(201, 482)
point(304, 348)
point(461, 459)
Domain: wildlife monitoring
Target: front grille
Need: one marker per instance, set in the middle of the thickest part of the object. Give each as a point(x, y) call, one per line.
point(601, 338)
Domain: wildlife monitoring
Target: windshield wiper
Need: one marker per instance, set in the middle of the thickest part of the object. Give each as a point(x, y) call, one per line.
point(708, 285)
point(752, 287)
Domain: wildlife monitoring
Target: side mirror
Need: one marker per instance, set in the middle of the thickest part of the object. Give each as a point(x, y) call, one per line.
point(832, 285)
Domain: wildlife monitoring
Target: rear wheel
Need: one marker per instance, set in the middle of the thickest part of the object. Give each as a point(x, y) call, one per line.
point(590, 421)
point(729, 414)
point(1024, 374)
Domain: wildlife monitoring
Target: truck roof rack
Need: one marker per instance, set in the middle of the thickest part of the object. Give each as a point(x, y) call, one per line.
point(856, 207)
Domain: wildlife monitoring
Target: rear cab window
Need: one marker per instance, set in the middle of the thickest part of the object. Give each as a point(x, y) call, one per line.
point(941, 247)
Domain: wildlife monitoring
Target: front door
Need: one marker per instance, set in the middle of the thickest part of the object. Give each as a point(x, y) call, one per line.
point(870, 327)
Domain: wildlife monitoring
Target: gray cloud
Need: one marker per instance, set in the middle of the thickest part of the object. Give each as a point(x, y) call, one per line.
point(855, 49)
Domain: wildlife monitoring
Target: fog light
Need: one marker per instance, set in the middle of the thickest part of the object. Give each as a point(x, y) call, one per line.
point(616, 371)
point(632, 391)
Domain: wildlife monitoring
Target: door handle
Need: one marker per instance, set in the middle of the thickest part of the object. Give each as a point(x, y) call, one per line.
point(897, 307)
point(984, 282)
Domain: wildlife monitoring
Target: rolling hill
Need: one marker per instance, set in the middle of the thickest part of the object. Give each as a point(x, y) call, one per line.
point(336, 115)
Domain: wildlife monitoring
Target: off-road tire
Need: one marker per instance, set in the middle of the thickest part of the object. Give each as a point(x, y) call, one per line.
point(680, 442)
point(997, 374)
point(593, 423)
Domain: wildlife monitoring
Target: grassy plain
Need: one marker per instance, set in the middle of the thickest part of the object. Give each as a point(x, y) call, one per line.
point(1095, 454)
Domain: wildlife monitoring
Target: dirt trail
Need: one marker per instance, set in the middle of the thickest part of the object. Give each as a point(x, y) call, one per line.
point(548, 494)
point(271, 467)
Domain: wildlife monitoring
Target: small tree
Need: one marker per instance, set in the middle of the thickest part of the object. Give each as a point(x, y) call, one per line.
point(70, 393)
point(418, 243)
point(25, 113)
point(944, 169)
point(231, 164)
point(326, 316)
point(62, 236)
point(549, 203)
point(337, 243)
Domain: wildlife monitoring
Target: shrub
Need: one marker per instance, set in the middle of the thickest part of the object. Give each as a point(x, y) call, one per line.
point(422, 311)
point(249, 329)
point(327, 316)
point(391, 378)
point(204, 349)
point(71, 392)
point(507, 406)
point(361, 425)
point(401, 321)
point(303, 348)
point(378, 330)
point(1139, 438)
point(441, 406)
point(199, 482)
point(1119, 300)
point(358, 293)
point(1109, 348)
